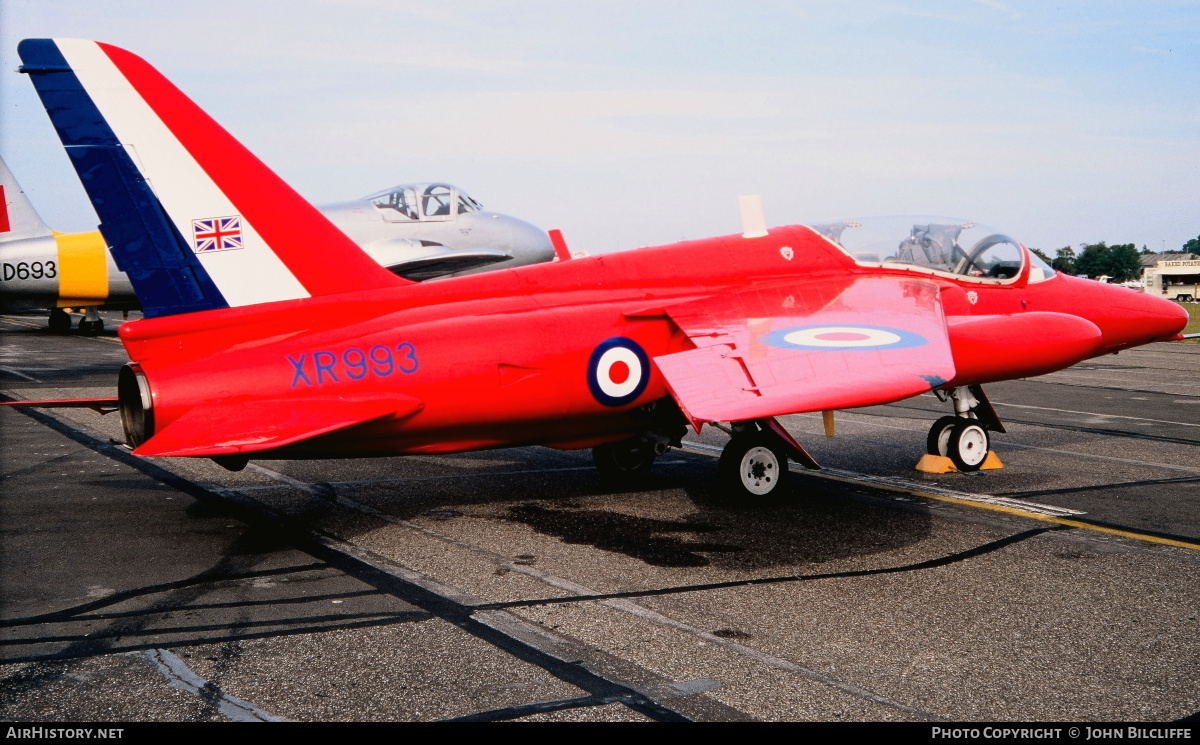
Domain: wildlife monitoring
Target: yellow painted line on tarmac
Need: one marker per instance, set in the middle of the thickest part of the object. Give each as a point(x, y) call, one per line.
point(1044, 518)
point(883, 486)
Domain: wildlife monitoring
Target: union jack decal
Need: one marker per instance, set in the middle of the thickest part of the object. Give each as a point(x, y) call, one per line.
point(217, 234)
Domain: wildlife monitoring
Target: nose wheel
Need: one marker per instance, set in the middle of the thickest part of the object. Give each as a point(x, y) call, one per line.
point(964, 441)
point(91, 328)
point(754, 465)
point(968, 445)
point(938, 441)
point(91, 324)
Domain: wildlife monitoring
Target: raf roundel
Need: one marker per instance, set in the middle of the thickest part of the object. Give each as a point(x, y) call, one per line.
point(844, 338)
point(618, 371)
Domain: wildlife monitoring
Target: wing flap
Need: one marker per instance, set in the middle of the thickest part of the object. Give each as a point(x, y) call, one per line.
point(808, 346)
point(254, 426)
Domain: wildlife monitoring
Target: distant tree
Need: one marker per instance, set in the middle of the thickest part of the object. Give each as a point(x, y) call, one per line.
point(1123, 262)
point(1120, 262)
point(1145, 250)
point(1041, 255)
point(1192, 246)
point(1065, 261)
point(1092, 260)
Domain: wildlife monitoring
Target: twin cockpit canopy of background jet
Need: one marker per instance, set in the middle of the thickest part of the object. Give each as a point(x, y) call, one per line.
point(939, 244)
point(417, 202)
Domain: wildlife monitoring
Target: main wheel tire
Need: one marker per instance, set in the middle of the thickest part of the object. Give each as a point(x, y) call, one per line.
point(968, 445)
point(60, 321)
point(624, 460)
point(938, 441)
point(91, 328)
point(753, 465)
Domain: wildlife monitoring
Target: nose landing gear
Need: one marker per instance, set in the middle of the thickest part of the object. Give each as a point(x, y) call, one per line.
point(91, 324)
point(962, 442)
point(967, 445)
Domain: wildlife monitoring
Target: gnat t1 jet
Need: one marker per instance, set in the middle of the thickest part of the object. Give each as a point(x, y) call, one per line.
point(423, 231)
point(294, 344)
point(417, 231)
point(42, 268)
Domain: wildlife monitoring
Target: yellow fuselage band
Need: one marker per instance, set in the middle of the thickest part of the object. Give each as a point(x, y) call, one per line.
point(82, 269)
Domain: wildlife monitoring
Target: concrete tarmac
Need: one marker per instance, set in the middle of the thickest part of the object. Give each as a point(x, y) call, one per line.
point(518, 585)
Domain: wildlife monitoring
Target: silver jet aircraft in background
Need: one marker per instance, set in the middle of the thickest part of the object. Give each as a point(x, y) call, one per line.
point(423, 231)
point(418, 231)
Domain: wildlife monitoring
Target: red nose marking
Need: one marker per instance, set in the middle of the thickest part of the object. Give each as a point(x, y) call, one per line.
point(4, 224)
point(842, 336)
point(618, 372)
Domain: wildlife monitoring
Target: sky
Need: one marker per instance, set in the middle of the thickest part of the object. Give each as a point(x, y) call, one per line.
point(640, 123)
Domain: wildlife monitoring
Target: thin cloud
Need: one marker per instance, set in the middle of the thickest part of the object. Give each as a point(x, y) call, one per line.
point(1002, 7)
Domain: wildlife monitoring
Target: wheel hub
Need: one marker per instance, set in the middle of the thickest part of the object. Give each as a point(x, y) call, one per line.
point(970, 442)
point(972, 445)
point(759, 471)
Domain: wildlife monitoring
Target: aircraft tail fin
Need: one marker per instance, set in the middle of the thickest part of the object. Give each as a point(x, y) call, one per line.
point(18, 218)
point(192, 216)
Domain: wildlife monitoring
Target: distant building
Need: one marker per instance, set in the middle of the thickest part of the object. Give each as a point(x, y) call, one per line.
point(1175, 276)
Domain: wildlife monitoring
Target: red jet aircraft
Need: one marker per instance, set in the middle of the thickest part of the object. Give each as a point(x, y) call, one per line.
point(277, 351)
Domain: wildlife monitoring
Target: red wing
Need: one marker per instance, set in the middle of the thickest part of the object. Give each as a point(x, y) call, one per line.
point(248, 427)
point(808, 346)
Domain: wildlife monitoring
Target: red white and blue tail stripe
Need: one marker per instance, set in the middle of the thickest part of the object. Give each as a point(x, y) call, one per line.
point(191, 215)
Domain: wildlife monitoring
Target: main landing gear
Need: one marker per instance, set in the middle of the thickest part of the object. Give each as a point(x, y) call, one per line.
point(625, 461)
point(60, 322)
point(963, 438)
point(753, 464)
point(628, 459)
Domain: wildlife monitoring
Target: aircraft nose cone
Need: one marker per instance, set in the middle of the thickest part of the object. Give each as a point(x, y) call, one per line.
point(530, 244)
point(1178, 317)
point(1164, 318)
point(1136, 318)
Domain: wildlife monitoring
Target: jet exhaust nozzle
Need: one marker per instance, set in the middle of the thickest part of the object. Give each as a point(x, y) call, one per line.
point(135, 404)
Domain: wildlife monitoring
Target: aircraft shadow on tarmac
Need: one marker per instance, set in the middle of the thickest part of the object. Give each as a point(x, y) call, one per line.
point(815, 521)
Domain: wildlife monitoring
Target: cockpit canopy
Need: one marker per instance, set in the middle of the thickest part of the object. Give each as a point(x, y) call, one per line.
point(428, 202)
point(939, 244)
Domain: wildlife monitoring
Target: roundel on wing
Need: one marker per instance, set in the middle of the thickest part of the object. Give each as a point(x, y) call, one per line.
point(844, 338)
point(618, 371)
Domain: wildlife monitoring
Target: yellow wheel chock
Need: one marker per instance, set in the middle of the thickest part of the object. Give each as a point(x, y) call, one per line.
point(942, 464)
